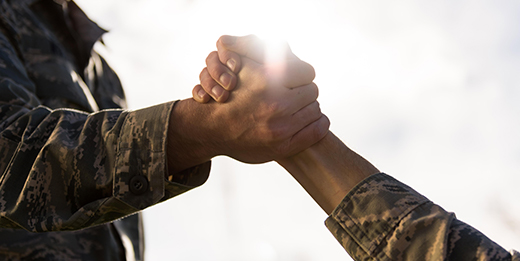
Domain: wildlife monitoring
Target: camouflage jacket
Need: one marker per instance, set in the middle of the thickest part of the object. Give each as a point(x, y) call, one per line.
point(71, 159)
point(383, 219)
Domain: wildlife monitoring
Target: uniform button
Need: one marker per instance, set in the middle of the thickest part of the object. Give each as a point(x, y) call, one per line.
point(138, 185)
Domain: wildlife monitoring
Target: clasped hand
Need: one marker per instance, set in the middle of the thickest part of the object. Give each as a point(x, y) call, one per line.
point(267, 111)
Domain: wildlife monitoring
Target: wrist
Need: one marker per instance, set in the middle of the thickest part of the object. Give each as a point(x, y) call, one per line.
point(328, 170)
point(189, 142)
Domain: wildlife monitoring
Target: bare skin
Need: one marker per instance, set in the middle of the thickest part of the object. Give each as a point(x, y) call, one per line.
point(269, 118)
point(328, 169)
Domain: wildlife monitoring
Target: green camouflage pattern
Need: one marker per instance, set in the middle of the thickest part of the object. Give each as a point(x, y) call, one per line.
point(383, 219)
point(72, 160)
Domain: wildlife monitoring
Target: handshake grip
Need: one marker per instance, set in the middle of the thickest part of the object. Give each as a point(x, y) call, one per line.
point(268, 105)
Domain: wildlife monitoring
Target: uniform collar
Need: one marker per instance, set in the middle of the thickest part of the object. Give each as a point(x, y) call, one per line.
point(85, 31)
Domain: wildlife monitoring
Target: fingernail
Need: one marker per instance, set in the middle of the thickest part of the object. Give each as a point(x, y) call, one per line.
point(228, 40)
point(231, 64)
point(217, 91)
point(225, 79)
point(201, 93)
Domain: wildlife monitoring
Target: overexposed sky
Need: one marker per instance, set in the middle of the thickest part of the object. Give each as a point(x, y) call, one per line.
point(426, 90)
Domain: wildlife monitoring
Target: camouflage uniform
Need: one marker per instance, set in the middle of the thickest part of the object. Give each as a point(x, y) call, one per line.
point(67, 168)
point(383, 219)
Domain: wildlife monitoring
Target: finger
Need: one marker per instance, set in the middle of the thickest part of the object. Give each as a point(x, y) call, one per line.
point(298, 98)
point(297, 73)
point(231, 59)
point(220, 73)
point(309, 135)
point(199, 94)
point(249, 46)
point(254, 48)
point(304, 117)
point(212, 87)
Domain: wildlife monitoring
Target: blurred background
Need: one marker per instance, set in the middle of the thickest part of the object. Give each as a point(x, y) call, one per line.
point(426, 90)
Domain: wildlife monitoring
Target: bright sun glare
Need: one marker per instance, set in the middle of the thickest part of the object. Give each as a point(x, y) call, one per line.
point(277, 24)
point(376, 57)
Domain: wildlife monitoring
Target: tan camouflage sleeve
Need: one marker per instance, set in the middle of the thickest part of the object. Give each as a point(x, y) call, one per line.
point(383, 219)
point(66, 170)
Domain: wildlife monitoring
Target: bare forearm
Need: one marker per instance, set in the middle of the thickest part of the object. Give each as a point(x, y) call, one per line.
point(189, 143)
point(328, 170)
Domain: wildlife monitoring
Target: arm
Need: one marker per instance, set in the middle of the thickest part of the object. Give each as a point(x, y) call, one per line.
point(63, 169)
point(265, 121)
point(376, 217)
point(328, 170)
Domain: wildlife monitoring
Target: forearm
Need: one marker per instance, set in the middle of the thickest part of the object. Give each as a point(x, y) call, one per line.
point(70, 170)
point(328, 170)
point(188, 140)
point(399, 217)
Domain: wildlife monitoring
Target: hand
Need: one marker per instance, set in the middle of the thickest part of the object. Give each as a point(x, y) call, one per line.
point(223, 78)
point(219, 77)
point(263, 121)
point(268, 121)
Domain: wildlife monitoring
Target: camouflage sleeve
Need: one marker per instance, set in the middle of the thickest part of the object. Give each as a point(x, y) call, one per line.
point(66, 170)
point(383, 219)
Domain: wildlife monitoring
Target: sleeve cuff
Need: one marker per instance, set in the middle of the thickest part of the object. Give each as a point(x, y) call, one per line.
point(139, 178)
point(372, 210)
point(515, 255)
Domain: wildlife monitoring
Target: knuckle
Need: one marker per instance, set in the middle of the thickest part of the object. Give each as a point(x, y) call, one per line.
point(196, 88)
point(220, 39)
point(311, 72)
point(321, 128)
point(214, 67)
point(208, 83)
point(315, 90)
point(211, 57)
point(316, 109)
point(317, 132)
point(310, 114)
point(215, 71)
point(224, 55)
point(194, 93)
point(202, 73)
